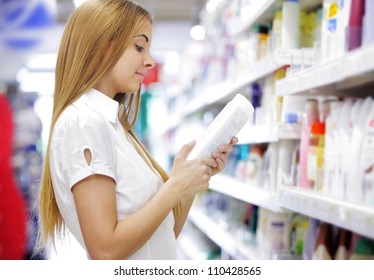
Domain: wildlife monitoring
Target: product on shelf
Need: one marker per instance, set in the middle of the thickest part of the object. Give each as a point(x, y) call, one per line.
point(310, 116)
point(355, 24)
point(343, 241)
point(368, 23)
point(299, 226)
point(291, 24)
point(361, 248)
point(335, 23)
point(323, 249)
point(367, 159)
point(316, 156)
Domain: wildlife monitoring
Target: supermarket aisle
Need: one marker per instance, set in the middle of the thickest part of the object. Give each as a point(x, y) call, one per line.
point(300, 183)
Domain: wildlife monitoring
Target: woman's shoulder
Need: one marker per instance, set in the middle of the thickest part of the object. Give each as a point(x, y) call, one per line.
point(78, 116)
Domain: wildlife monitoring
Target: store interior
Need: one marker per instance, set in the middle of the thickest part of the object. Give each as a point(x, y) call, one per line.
point(299, 185)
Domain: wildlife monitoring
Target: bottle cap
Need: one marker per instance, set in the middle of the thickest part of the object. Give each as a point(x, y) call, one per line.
point(292, 118)
point(318, 128)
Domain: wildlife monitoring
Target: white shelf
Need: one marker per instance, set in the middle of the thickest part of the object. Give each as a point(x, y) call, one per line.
point(262, 11)
point(302, 57)
point(221, 237)
point(253, 12)
point(242, 191)
point(230, 87)
point(328, 78)
point(355, 217)
point(252, 134)
point(224, 90)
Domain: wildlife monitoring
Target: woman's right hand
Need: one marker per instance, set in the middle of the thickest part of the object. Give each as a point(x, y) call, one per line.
point(190, 176)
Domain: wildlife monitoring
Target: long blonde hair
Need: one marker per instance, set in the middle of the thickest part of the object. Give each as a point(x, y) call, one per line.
point(90, 30)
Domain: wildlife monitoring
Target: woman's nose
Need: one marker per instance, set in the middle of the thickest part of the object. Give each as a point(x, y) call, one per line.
point(149, 62)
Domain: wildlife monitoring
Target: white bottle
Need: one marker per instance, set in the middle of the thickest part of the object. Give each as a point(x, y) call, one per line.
point(344, 139)
point(273, 165)
point(290, 24)
point(366, 165)
point(368, 23)
point(354, 177)
point(331, 128)
point(334, 28)
point(286, 149)
point(226, 125)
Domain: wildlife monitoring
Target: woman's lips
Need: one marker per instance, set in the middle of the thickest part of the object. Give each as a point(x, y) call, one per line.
point(142, 75)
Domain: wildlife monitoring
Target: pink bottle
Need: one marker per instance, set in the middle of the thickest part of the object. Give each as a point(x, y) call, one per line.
point(355, 24)
point(310, 116)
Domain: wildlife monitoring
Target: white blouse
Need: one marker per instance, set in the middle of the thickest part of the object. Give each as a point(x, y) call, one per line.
point(92, 123)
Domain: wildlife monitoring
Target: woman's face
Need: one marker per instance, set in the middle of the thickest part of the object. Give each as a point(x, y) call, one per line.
point(129, 71)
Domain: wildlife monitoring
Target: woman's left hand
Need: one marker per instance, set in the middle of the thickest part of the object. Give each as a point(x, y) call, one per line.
point(221, 156)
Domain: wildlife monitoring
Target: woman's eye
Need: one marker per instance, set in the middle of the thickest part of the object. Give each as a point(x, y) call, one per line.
point(139, 48)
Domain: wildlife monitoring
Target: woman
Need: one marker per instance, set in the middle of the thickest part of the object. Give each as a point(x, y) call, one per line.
point(99, 181)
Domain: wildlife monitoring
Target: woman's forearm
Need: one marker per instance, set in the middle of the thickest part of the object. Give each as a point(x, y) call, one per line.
point(180, 220)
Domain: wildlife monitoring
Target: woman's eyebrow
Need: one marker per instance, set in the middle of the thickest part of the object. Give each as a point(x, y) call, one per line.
point(143, 35)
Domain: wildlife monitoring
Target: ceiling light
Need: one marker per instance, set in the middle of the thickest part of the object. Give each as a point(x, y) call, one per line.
point(197, 32)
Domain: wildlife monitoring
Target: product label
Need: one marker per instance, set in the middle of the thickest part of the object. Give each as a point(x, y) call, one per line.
point(312, 163)
point(332, 17)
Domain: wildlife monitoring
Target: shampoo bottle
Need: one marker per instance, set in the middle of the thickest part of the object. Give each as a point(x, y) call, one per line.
point(344, 239)
point(368, 23)
point(354, 176)
point(290, 24)
point(324, 246)
point(286, 149)
point(367, 159)
point(316, 156)
point(310, 115)
point(355, 24)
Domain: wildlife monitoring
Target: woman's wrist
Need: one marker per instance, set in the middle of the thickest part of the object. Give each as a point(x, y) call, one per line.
point(172, 191)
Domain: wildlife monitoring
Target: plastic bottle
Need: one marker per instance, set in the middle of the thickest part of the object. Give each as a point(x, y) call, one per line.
point(315, 155)
point(291, 24)
point(368, 23)
point(367, 159)
point(323, 246)
point(335, 21)
point(299, 226)
point(310, 238)
point(285, 153)
point(354, 176)
point(344, 239)
point(277, 30)
point(355, 24)
point(273, 165)
point(225, 126)
point(263, 34)
point(331, 128)
point(310, 115)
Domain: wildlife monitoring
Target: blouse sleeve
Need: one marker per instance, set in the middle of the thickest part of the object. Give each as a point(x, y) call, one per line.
point(90, 134)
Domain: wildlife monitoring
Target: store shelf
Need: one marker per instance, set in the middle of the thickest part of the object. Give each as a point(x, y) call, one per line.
point(224, 90)
point(262, 11)
point(252, 12)
point(355, 217)
point(254, 195)
point(222, 238)
point(194, 244)
point(352, 69)
point(252, 134)
point(230, 87)
point(300, 57)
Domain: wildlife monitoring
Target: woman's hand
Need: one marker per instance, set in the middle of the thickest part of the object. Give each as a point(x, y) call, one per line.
point(191, 176)
point(221, 156)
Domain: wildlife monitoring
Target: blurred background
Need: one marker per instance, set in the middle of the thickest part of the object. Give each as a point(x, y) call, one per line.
point(300, 183)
